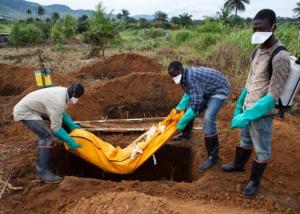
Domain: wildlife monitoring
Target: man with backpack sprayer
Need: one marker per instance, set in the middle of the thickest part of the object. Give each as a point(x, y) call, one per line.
point(269, 71)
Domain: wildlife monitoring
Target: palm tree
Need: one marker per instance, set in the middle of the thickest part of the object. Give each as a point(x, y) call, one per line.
point(237, 5)
point(175, 20)
point(40, 11)
point(224, 13)
point(160, 18)
point(55, 16)
point(28, 11)
point(185, 20)
point(297, 10)
point(123, 15)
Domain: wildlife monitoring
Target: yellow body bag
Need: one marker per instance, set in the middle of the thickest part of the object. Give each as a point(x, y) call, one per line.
point(124, 161)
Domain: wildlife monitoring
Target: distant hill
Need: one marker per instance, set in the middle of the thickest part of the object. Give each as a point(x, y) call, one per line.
point(16, 9)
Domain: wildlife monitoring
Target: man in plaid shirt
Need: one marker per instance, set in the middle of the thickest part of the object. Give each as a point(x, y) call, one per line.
point(205, 90)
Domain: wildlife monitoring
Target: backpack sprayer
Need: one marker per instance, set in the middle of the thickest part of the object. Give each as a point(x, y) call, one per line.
point(290, 89)
point(42, 76)
point(291, 86)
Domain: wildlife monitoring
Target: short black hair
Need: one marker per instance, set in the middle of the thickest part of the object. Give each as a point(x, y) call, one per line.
point(76, 89)
point(266, 14)
point(175, 66)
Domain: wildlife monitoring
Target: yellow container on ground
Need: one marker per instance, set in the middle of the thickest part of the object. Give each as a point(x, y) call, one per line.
point(43, 78)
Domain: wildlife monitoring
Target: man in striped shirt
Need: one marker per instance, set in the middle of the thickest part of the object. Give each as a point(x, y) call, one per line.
point(205, 91)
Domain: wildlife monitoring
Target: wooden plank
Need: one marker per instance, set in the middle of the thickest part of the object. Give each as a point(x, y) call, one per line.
point(132, 120)
point(123, 125)
point(125, 130)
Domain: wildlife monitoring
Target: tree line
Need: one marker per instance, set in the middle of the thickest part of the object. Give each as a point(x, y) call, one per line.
point(101, 29)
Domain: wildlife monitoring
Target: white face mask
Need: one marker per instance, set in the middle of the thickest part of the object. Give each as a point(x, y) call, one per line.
point(74, 100)
point(261, 37)
point(177, 79)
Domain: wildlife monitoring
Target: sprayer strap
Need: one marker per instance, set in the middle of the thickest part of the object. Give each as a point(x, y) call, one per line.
point(275, 52)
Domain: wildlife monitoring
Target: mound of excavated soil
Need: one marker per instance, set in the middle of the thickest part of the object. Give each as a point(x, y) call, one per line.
point(129, 202)
point(120, 65)
point(17, 81)
point(133, 202)
point(138, 89)
point(134, 95)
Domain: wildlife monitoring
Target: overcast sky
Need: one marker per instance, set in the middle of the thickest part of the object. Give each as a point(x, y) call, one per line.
point(198, 8)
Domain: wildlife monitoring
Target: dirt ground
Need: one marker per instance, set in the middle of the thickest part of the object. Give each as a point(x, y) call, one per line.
point(128, 86)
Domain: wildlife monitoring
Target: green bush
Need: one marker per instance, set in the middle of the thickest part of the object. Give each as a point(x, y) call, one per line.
point(180, 37)
point(45, 27)
point(211, 27)
point(68, 26)
point(290, 37)
point(34, 33)
point(22, 34)
point(102, 31)
point(57, 34)
point(242, 39)
point(64, 30)
point(153, 33)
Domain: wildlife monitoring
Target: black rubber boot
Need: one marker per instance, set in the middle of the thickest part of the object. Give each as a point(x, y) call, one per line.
point(212, 146)
point(42, 168)
point(242, 155)
point(258, 168)
point(186, 133)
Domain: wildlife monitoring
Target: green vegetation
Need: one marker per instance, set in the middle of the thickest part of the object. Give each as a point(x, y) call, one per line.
point(237, 5)
point(222, 42)
point(5, 27)
point(68, 26)
point(102, 31)
point(24, 34)
point(297, 10)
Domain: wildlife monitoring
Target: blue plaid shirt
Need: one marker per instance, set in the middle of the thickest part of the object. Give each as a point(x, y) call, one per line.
point(201, 83)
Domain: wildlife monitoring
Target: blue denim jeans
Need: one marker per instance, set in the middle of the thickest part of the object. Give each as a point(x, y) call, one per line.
point(213, 106)
point(39, 128)
point(258, 134)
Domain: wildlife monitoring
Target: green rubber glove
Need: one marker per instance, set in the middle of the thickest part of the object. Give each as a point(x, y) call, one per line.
point(63, 136)
point(260, 108)
point(69, 122)
point(240, 102)
point(184, 102)
point(186, 118)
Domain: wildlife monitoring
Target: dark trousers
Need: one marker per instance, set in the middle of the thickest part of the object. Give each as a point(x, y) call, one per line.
point(39, 128)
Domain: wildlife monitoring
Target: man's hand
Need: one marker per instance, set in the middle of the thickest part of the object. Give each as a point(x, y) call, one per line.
point(239, 121)
point(73, 145)
point(184, 102)
point(240, 102)
point(186, 118)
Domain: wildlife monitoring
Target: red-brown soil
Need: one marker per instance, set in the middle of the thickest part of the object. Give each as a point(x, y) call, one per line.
point(140, 90)
point(120, 65)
